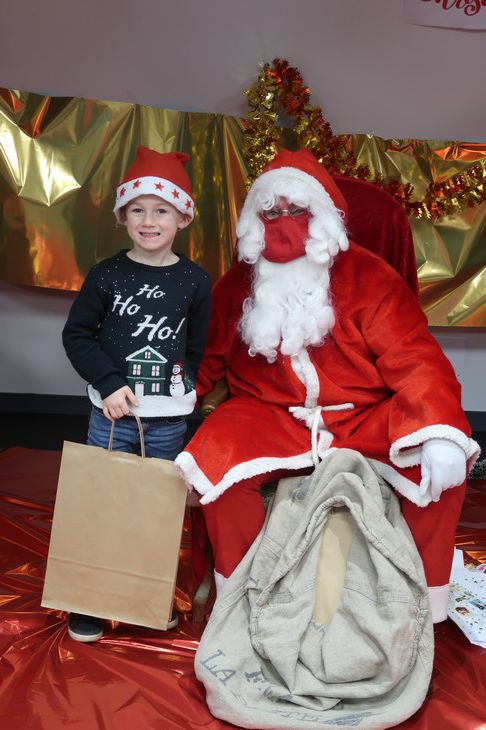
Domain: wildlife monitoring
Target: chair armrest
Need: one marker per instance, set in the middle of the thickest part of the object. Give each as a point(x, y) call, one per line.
point(214, 398)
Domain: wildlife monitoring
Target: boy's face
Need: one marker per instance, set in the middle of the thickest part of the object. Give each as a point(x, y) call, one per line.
point(152, 223)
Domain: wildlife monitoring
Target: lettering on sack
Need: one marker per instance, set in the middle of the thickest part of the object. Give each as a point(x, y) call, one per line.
point(130, 307)
point(223, 674)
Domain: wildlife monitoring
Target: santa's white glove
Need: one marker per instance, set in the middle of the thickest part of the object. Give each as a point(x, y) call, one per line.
point(443, 467)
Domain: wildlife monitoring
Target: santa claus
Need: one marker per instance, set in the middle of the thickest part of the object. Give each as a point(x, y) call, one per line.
point(323, 346)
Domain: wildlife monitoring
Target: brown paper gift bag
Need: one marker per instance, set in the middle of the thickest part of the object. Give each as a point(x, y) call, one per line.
point(116, 536)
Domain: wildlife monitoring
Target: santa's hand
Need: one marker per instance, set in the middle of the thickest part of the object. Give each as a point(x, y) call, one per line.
point(443, 467)
point(117, 405)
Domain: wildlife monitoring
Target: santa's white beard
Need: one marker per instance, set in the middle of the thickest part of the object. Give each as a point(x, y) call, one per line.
point(289, 307)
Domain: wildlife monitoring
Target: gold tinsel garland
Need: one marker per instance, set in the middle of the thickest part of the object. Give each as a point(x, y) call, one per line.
point(280, 85)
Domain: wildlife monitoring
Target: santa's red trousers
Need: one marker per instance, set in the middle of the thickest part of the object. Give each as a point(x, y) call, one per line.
point(234, 520)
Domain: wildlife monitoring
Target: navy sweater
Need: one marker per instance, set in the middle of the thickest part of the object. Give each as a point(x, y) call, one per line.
point(142, 326)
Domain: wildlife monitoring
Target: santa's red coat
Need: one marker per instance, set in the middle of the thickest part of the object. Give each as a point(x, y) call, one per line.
point(379, 357)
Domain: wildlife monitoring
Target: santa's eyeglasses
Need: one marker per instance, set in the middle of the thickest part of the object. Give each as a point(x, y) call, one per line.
point(293, 212)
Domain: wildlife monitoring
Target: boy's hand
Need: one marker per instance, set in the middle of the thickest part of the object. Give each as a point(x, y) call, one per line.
point(117, 404)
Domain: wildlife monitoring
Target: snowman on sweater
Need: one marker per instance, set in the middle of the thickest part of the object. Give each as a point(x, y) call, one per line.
point(176, 387)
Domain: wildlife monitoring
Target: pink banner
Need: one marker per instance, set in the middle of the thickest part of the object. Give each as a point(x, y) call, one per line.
point(465, 14)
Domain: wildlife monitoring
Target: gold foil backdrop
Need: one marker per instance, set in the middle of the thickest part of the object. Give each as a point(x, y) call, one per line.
point(61, 158)
point(451, 251)
point(60, 161)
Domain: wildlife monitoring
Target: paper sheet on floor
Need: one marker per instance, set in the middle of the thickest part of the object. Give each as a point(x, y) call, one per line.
point(467, 599)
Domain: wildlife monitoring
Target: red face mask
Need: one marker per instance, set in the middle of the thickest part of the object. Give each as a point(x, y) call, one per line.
point(285, 238)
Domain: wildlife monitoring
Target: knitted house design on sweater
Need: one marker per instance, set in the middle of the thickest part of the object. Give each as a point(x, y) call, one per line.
point(146, 372)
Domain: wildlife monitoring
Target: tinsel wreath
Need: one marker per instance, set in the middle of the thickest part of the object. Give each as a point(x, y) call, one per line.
point(281, 86)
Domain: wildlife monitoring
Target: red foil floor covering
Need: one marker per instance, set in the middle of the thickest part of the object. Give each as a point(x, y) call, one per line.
point(137, 678)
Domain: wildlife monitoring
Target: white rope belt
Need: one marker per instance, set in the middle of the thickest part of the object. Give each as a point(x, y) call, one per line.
point(311, 417)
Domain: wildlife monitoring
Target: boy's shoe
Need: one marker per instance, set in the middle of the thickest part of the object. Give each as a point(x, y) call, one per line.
point(84, 628)
point(174, 620)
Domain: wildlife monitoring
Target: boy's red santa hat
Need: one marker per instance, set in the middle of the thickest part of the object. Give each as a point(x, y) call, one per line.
point(302, 180)
point(157, 173)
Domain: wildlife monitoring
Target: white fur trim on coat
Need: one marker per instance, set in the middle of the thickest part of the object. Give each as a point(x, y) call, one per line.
point(439, 600)
point(305, 370)
point(407, 450)
point(195, 477)
point(401, 484)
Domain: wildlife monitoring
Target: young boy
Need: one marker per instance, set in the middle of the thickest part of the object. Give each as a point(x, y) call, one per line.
point(137, 329)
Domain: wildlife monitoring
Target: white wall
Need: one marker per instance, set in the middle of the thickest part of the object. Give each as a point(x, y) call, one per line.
point(31, 353)
point(466, 349)
point(33, 360)
point(368, 69)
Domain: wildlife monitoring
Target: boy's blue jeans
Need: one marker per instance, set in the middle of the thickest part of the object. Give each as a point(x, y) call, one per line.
point(163, 438)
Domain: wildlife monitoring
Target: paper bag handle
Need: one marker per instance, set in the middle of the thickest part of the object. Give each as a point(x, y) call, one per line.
point(140, 433)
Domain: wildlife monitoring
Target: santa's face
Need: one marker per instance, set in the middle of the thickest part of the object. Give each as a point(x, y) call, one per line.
point(283, 207)
point(301, 210)
point(286, 230)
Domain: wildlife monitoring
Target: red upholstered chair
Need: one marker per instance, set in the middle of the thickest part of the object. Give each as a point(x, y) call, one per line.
point(378, 222)
point(375, 221)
